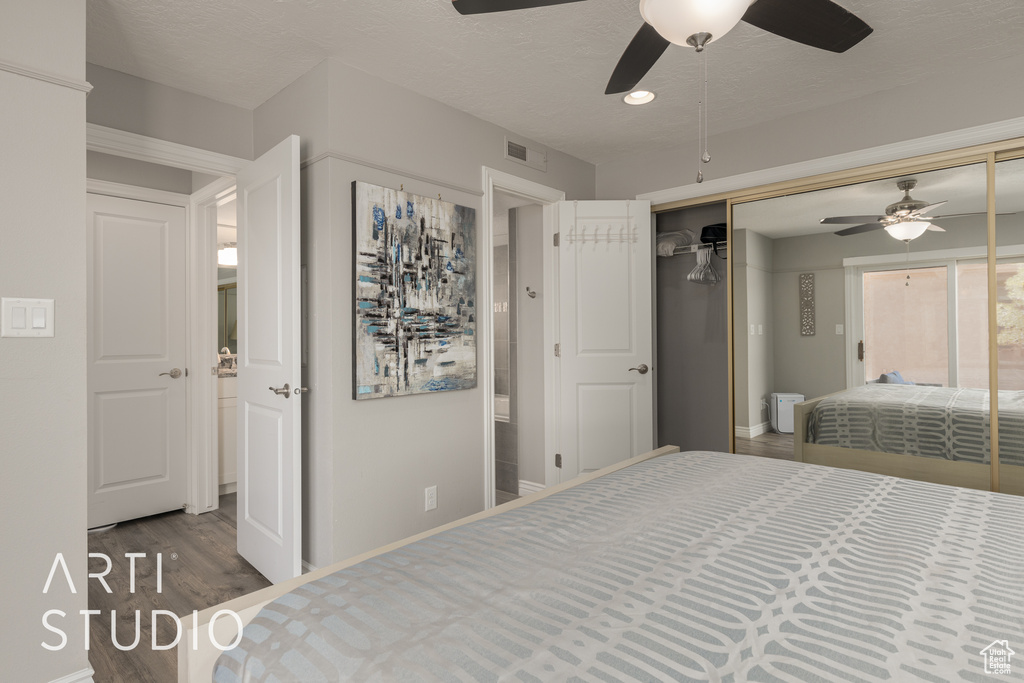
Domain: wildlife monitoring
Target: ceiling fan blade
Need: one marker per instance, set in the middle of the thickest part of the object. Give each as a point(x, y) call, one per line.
point(935, 228)
point(818, 23)
point(858, 229)
point(975, 213)
point(840, 220)
point(490, 6)
point(641, 54)
point(926, 209)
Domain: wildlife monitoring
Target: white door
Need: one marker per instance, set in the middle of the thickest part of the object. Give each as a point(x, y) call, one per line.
point(606, 379)
point(269, 364)
point(136, 345)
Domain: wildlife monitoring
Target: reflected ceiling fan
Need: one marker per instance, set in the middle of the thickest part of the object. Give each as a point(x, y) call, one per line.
point(817, 23)
point(905, 220)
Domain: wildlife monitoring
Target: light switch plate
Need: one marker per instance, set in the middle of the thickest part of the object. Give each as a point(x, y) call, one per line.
point(26, 317)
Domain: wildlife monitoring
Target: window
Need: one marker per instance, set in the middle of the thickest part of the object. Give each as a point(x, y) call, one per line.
point(933, 327)
point(906, 324)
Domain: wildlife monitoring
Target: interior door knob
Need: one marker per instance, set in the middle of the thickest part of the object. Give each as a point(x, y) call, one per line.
point(175, 373)
point(285, 391)
point(642, 368)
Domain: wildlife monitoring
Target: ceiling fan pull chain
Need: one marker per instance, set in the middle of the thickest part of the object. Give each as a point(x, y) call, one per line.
point(906, 282)
point(706, 157)
point(700, 119)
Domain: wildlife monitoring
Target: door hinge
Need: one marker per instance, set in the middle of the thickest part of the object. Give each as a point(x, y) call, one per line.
point(558, 350)
point(557, 239)
point(558, 460)
point(860, 350)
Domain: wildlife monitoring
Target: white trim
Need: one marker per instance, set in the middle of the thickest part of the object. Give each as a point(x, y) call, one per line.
point(528, 487)
point(203, 478)
point(142, 194)
point(141, 148)
point(307, 567)
point(753, 431)
point(547, 196)
point(228, 488)
point(83, 676)
point(942, 142)
point(45, 76)
point(348, 158)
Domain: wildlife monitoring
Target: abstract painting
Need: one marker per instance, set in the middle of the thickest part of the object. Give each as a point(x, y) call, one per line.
point(415, 294)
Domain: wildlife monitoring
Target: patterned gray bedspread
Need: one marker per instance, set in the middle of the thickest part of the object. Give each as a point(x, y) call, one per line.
point(690, 567)
point(935, 422)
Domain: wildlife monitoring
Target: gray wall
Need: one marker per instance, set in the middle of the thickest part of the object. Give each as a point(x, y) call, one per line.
point(530, 344)
point(753, 304)
point(692, 349)
point(835, 129)
point(138, 173)
point(42, 380)
point(365, 477)
point(139, 106)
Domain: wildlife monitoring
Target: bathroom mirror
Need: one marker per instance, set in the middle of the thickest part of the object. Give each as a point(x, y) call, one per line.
point(227, 317)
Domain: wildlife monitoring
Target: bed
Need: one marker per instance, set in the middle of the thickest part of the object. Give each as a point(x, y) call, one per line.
point(930, 433)
point(692, 566)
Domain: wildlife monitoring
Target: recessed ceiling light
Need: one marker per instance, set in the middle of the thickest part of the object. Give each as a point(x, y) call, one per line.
point(639, 97)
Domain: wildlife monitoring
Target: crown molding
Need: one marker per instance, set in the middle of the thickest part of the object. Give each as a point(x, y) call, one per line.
point(45, 76)
point(141, 148)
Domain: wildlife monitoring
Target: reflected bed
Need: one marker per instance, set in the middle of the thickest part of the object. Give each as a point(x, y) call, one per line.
point(930, 433)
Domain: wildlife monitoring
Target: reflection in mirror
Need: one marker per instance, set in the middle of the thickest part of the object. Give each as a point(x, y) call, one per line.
point(860, 319)
point(227, 283)
point(1009, 188)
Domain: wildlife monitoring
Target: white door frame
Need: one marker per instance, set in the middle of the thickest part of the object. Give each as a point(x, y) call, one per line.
point(201, 387)
point(547, 197)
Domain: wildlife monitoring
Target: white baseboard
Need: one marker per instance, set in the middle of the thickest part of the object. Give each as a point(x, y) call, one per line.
point(83, 676)
point(230, 487)
point(307, 567)
point(527, 487)
point(751, 432)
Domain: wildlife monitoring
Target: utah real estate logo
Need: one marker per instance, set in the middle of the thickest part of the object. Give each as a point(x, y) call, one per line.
point(997, 657)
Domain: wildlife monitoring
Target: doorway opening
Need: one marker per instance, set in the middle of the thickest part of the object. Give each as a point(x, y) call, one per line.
point(518, 346)
point(511, 454)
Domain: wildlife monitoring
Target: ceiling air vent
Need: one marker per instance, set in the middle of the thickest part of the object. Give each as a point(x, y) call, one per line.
point(521, 154)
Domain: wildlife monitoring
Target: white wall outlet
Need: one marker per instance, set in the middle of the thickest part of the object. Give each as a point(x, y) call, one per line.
point(839, 329)
point(26, 317)
point(760, 328)
point(752, 329)
point(430, 498)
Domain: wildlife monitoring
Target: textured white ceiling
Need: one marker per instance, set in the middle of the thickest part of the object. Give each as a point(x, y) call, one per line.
point(542, 72)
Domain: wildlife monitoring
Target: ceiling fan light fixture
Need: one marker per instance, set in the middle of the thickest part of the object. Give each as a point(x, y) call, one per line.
point(677, 20)
point(907, 230)
point(638, 97)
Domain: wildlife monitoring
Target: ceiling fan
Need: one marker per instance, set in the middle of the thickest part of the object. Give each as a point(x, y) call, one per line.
point(818, 23)
point(905, 220)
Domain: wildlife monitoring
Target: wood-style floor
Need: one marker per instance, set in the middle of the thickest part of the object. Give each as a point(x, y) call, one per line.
point(503, 496)
point(769, 445)
point(200, 568)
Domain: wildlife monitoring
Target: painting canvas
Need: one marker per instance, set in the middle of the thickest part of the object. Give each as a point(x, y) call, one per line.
point(415, 294)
